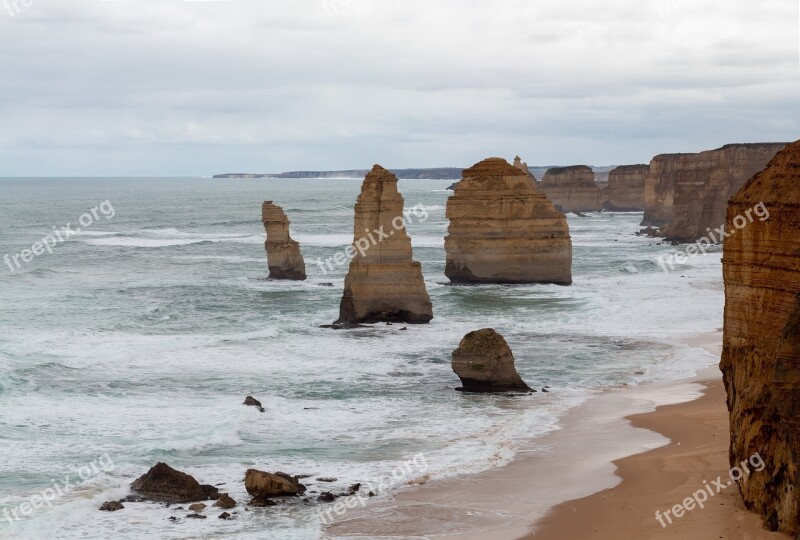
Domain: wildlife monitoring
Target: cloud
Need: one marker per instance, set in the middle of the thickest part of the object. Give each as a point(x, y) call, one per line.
point(167, 87)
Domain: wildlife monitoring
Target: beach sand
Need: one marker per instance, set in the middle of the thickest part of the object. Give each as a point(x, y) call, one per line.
point(617, 458)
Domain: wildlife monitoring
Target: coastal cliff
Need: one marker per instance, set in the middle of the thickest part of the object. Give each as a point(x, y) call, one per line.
point(761, 355)
point(383, 283)
point(502, 230)
point(688, 193)
point(573, 189)
point(283, 254)
point(625, 191)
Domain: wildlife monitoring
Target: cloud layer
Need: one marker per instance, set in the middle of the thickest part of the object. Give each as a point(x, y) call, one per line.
point(194, 88)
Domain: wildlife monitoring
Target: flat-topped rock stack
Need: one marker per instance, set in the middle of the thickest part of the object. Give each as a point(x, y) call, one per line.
point(283, 254)
point(688, 193)
point(573, 189)
point(625, 191)
point(502, 230)
point(383, 283)
point(761, 353)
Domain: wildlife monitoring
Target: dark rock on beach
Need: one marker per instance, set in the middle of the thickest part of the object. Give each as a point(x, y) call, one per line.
point(225, 502)
point(162, 483)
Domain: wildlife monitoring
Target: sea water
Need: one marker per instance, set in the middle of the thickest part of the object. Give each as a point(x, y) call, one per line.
point(136, 341)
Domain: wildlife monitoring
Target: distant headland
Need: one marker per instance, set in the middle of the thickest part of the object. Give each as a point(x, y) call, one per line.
point(441, 173)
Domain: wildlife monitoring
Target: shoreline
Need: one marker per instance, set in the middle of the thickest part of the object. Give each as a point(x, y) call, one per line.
point(662, 478)
point(510, 502)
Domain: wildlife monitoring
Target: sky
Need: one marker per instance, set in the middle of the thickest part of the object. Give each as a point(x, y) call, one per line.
point(196, 88)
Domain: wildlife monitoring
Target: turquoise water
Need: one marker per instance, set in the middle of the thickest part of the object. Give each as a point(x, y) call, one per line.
point(139, 338)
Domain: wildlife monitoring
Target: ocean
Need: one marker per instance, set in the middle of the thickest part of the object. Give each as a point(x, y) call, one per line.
point(136, 341)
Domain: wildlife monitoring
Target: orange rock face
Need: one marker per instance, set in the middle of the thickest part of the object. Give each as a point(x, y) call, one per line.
point(383, 283)
point(625, 192)
point(283, 253)
point(689, 192)
point(573, 189)
point(502, 230)
point(761, 355)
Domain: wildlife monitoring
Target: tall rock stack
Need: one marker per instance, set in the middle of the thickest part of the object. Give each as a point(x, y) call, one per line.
point(502, 230)
point(573, 189)
point(383, 283)
point(761, 355)
point(688, 193)
point(283, 253)
point(625, 192)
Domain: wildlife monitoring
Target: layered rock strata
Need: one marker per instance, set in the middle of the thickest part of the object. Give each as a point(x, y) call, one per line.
point(484, 363)
point(283, 253)
point(761, 354)
point(625, 191)
point(502, 230)
point(383, 283)
point(688, 193)
point(573, 189)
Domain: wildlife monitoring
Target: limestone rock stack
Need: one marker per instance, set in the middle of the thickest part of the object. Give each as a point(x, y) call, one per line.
point(625, 191)
point(283, 253)
point(383, 283)
point(761, 355)
point(502, 230)
point(688, 193)
point(484, 363)
point(518, 163)
point(573, 189)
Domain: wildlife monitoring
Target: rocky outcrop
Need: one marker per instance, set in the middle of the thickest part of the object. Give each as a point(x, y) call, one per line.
point(572, 189)
point(689, 192)
point(263, 486)
point(383, 283)
point(519, 164)
point(502, 230)
point(761, 355)
point(625, 191)
point(162, 483)
point(283, 253)
point(484, 363)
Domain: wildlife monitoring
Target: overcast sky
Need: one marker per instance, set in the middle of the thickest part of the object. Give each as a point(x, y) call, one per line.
point(170, 87)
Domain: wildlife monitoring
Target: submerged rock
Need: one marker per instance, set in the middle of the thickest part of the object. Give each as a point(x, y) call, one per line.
point(383, 283)
point(162, 483)
point(283, 254)
point(111, 506)
point(761, 343)
point(502, 230)
point(484, 363)
point(250, 401)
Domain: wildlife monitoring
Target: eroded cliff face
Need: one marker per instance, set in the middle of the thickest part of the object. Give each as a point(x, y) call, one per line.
point(383, 283)
point(502, 230)
point(761, 355)
point(625, 191)
point(572, 189)
point(283, 254)
point(688, 193)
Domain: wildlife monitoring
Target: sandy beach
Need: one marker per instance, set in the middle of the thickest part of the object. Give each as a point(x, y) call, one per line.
point(615, 470)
